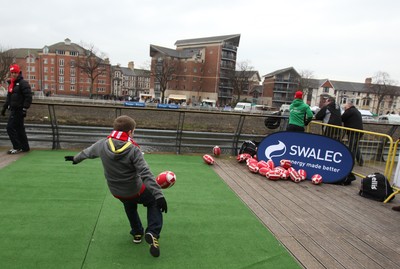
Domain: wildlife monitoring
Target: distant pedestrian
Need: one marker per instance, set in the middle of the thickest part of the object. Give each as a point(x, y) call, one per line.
point(330, 113)
point(352, 119)
point(300, 114)
point(18, 100)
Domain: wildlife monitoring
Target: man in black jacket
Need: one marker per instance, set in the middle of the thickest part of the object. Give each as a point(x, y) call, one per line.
point(352, 119)
point(19, 99)
point(330, 114)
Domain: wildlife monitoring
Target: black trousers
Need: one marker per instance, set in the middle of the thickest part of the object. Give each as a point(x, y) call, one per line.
point(354, 139)
point(16, 130)
point(294, 128)
point(154, 215)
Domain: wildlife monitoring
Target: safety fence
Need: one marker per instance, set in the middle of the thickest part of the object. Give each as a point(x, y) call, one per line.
point(372, 151)
point(71, 125)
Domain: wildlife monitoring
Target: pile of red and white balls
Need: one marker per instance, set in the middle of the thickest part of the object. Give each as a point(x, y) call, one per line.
point(272, 172)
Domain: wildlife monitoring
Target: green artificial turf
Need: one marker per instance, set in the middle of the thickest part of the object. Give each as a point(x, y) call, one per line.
point(58, 215)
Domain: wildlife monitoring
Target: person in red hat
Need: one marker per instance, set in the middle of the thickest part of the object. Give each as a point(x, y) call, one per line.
point(300, 114)
point(18, 100)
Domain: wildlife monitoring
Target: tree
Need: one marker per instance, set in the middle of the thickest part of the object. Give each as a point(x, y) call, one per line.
point(305, 82)
point(241, 78)
point(381, 86)
point(92, 63)
point(6, 59)
point(163, 70)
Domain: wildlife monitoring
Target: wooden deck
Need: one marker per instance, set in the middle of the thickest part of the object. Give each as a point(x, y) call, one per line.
point(325, 226)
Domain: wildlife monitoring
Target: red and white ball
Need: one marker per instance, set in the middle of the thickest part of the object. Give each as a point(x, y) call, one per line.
point(262, 163)
point(253, 167)
point(273, 174)
point(294, 176)
point(217, 151)
point(166, 179)
point(285, 174)
point(302, 173)
point(286, 163)
point(263, 171)
point(208, 159)
point(271, 164)
point(241, 158)
point(316, 179)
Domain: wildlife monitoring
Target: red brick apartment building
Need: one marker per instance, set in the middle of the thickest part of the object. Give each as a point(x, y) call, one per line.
point(203, 69)
point(52, 70)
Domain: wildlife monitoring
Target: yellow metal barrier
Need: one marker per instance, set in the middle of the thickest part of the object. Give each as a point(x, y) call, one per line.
point(396, 189)
point(372, 152)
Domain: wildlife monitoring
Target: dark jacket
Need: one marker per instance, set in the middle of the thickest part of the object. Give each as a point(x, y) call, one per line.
point(21, 95)
point(352, 118)
point(330, 114)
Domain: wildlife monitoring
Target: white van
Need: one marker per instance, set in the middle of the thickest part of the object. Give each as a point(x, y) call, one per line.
point(389, 118)
point(208, 103)
point(243, 107)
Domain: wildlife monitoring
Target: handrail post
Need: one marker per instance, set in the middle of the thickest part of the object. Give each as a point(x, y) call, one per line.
point(237, 134)
point(179, 131)
point(54, 127)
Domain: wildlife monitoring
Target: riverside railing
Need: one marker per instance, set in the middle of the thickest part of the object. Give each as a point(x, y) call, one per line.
point(69, 125)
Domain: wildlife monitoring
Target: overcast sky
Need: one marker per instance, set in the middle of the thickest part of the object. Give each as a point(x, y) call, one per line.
point(346, 40)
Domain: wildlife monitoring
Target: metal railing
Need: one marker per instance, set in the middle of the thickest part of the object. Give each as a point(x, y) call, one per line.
point(176, 139)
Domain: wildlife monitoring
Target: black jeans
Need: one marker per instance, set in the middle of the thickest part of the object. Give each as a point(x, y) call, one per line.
point(16, 130)
point(154, 215)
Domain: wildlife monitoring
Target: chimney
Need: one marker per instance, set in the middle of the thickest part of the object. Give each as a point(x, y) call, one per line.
point(368, 80)
point(131, 65)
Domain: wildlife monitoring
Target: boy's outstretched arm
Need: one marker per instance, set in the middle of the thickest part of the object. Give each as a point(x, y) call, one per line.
point(70, 159)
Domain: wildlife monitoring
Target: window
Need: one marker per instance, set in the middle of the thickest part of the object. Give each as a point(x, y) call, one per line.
point(61, 87)
point(73, 80)
point(61, 79)
point(72, 88)
point(61, 71)
point(46, 69)
point(61, 62)
point(72, 72)
point(45, 60)
point(326, 90)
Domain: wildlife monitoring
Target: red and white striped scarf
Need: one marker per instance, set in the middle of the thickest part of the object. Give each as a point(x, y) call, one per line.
point(123, 136)
point(11, 85)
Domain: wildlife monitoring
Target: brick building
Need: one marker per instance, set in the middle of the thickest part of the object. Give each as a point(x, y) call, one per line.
point(53, 70)
point(281, 85)
point(202, 69)
point(130, 83)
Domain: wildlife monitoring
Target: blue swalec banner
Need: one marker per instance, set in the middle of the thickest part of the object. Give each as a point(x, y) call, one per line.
point(316, 154)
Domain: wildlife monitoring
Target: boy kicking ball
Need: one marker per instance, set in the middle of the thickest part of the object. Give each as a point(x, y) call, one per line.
point(129, 180)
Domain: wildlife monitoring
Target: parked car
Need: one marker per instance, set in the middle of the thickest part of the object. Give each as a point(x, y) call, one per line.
point(389, 118)
point(369, 119)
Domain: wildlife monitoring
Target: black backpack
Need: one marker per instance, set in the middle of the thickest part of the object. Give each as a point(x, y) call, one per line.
point(376, 187)
point(347, 180)
point(249, 147)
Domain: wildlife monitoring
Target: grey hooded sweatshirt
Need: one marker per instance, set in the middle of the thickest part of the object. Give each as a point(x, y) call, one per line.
point(125, 169)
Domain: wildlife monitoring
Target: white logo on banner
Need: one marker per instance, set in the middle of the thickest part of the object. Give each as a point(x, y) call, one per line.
point(275, 148)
